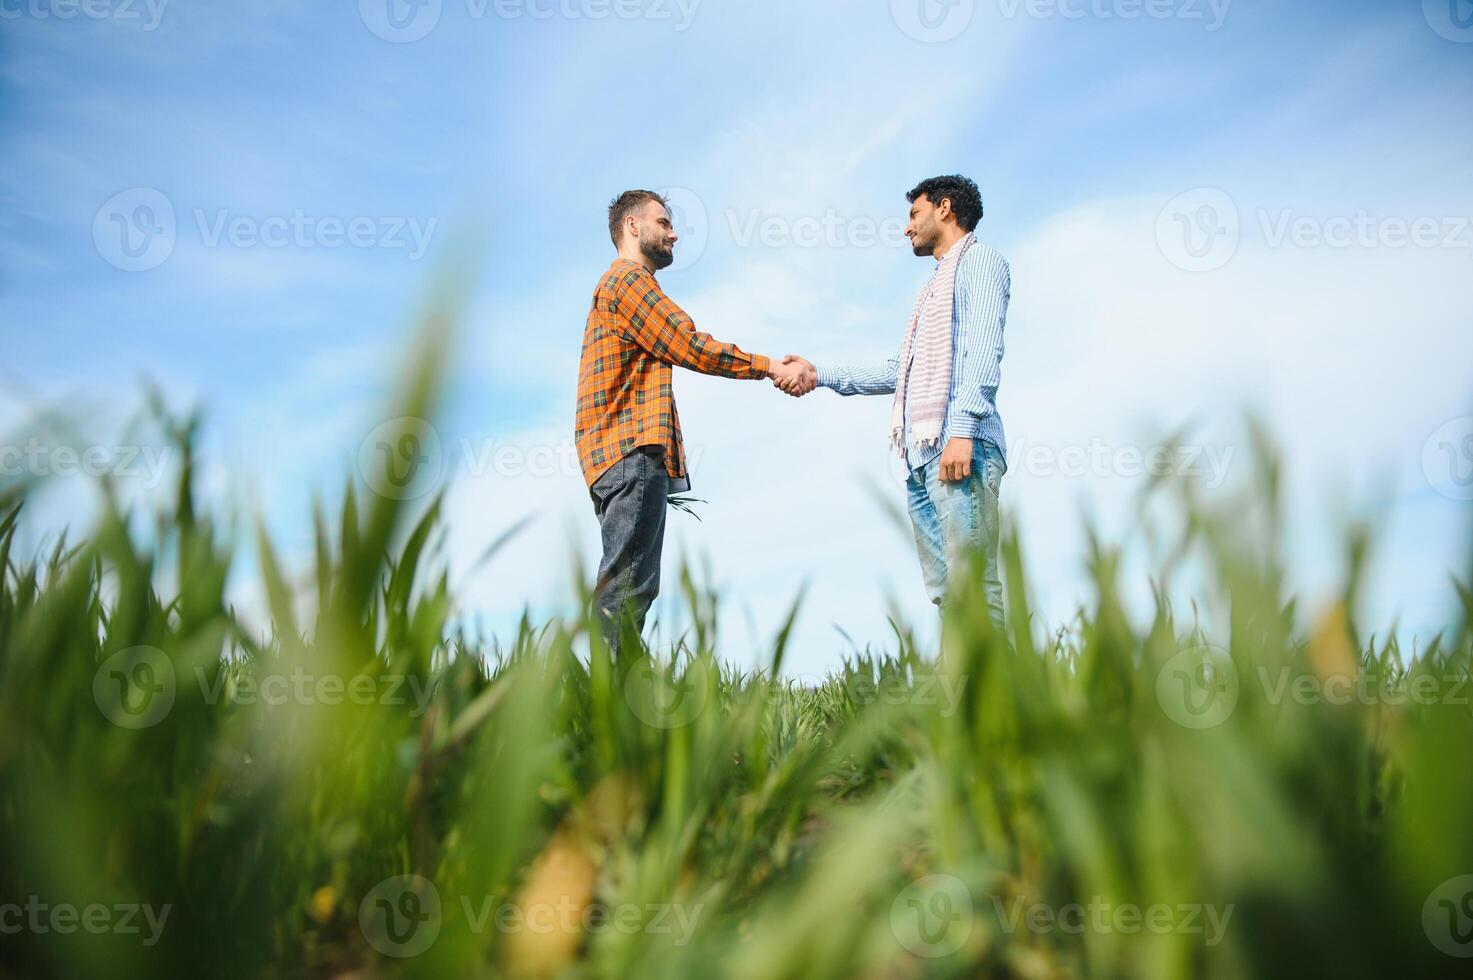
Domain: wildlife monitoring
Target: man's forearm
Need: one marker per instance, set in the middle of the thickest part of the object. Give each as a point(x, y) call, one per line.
point(972, 404)
point(700, 352)
point(876, 379)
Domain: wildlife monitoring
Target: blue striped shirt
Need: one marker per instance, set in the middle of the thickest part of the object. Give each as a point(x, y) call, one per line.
point(984, 284)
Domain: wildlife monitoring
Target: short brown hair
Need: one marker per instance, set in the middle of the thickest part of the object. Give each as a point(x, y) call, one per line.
point(623, 205)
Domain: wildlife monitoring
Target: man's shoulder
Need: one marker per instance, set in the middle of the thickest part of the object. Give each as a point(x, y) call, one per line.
point(982, 258)
point(625, 273)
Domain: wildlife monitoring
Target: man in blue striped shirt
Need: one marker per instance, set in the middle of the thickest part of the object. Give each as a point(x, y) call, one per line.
point(953, 482)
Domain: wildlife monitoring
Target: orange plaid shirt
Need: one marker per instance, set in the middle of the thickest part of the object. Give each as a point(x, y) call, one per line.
point(625, 399)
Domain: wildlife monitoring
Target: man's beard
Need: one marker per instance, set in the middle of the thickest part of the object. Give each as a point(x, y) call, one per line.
point(659, 256)
point(923, 247)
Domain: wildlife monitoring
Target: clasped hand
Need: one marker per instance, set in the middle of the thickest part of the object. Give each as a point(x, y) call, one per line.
point(795, 375)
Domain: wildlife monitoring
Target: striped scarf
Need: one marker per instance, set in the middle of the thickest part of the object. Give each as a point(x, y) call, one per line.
point(924, 381)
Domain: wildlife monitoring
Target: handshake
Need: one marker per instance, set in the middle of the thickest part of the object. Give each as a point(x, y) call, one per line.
point(795, 375)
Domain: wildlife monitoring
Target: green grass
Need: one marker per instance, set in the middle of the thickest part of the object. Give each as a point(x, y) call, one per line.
point(1005, 806)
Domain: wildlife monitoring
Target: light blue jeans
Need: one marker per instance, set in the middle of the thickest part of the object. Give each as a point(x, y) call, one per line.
point(954, 520)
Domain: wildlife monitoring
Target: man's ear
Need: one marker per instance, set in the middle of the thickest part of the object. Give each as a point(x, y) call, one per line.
point(943, 210)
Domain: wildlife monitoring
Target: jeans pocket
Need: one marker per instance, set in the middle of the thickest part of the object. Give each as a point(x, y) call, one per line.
point(608, 482)
point(988, 463)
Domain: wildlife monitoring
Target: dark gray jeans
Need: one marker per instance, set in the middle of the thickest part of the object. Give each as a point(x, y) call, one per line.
point(630, 501)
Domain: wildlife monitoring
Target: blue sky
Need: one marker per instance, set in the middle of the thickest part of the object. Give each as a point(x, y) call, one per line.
point(1207, 207)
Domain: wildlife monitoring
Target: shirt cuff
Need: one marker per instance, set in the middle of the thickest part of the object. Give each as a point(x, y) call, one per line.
point(964, 425)
point(827, 377)
point(761, 366)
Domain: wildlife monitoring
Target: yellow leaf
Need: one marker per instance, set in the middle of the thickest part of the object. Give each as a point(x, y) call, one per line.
point(324, 900)
point(551, 906)
point(1330, 652)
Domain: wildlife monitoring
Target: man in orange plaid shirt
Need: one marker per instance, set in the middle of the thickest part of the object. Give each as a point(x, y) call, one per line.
point(627, 429)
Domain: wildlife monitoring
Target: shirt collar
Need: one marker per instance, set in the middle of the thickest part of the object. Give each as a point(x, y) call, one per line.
point(620, 260)
point(956, 245)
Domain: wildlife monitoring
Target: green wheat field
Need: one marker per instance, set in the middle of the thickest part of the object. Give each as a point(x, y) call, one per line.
point(369, 792)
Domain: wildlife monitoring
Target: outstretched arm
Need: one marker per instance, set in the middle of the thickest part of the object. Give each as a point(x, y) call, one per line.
point(663, 329)
point(869, 379)
point(862, 379)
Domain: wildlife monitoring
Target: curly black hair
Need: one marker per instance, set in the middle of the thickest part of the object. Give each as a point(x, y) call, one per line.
point(621, 207)
point(966, 200)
